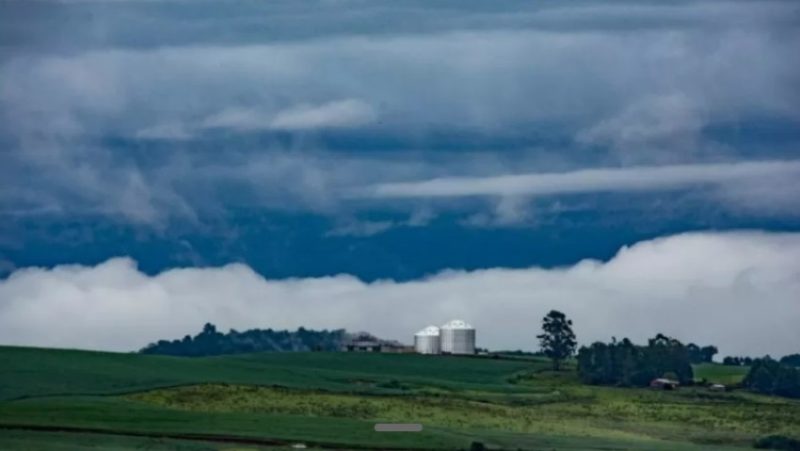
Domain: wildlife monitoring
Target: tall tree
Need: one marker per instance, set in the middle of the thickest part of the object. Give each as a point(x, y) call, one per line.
point(557, 340)
point(708, 353)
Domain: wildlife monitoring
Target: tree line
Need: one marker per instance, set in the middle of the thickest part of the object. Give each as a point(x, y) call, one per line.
point(773, 377)
point(212, 342)
point(737, 361)
point(791, 359)
point(623, 363)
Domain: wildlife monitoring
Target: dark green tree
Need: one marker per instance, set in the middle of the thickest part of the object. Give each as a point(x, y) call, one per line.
point(791, 359)
point(695, 354)
point(666, 354)
point(771, 377)
point(557, 340)
point(623, 363)
point(708, 353)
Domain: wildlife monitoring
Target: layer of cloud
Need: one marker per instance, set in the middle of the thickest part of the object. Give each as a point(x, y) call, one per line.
point(339, 114)
point(632, 84)
point(361, 228)
point(735, 290)
point(589, 180)
point(656, 124)
point(347, 113)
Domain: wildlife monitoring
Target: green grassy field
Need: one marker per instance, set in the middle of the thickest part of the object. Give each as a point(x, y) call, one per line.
point(57, 399)
point(60, 441)
point(36, 372)
point(721, 374)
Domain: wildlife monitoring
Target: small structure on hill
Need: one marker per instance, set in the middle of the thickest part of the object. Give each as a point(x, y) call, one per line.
point(454, 337)
point(663, 383)
point(717, 387)
point(366, 342)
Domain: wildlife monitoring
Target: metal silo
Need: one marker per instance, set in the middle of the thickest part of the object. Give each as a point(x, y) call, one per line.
point(457, 337)
point(427, 341)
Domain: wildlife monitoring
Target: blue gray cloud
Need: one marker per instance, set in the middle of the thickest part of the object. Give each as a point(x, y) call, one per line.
point(144, 119)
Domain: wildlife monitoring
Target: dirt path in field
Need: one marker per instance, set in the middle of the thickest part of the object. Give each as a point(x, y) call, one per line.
point(214, 438)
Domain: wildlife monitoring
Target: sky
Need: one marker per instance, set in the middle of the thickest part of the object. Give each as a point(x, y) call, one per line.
point(383, 165)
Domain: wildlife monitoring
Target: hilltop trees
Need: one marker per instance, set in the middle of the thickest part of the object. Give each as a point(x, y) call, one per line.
point(668, 355)
point(737, 361)
point(212, 342)
point(626, 364)
point(771, 377)
point(791, 359)
point(557, 340)
point(699, 354)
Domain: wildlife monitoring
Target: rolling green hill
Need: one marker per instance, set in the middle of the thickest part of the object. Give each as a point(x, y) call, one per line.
point(720, 374)
point(30, 372)
point(58, 399)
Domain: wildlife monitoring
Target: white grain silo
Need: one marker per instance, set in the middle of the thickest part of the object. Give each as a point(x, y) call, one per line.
point(457, 337)
point(427, 341)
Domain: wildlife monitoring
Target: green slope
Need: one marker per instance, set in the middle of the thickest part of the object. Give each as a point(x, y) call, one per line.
point(334, 399)
point(720, 374)
point(30, 372)
point(67, 441)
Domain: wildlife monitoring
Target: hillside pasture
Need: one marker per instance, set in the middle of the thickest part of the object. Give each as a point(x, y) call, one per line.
point(30, 372)
point(720, 374)
point(332, 400)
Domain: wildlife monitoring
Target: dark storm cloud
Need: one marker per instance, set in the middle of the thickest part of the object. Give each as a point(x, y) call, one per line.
point(169, 109)
point(43, 25)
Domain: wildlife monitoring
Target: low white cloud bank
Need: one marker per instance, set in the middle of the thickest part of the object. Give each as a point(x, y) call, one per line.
point(738, 291)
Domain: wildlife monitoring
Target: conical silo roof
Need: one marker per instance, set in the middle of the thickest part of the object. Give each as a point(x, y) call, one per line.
point(430, 331)
point(457, 324)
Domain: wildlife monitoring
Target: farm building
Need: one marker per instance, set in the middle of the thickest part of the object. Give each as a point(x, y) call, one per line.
point(366, 342)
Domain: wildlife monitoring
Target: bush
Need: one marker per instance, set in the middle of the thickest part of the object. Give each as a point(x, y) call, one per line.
point(771, 377)
point(780, 442)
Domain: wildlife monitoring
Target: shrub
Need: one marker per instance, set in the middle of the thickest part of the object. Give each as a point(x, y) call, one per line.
point(773, 378)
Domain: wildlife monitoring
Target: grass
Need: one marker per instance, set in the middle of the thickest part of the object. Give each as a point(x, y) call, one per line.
point(569, 410)
point(60, 441)
point(335, 399)
point(113, 414)
point(28, 372)
point(720, 374)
